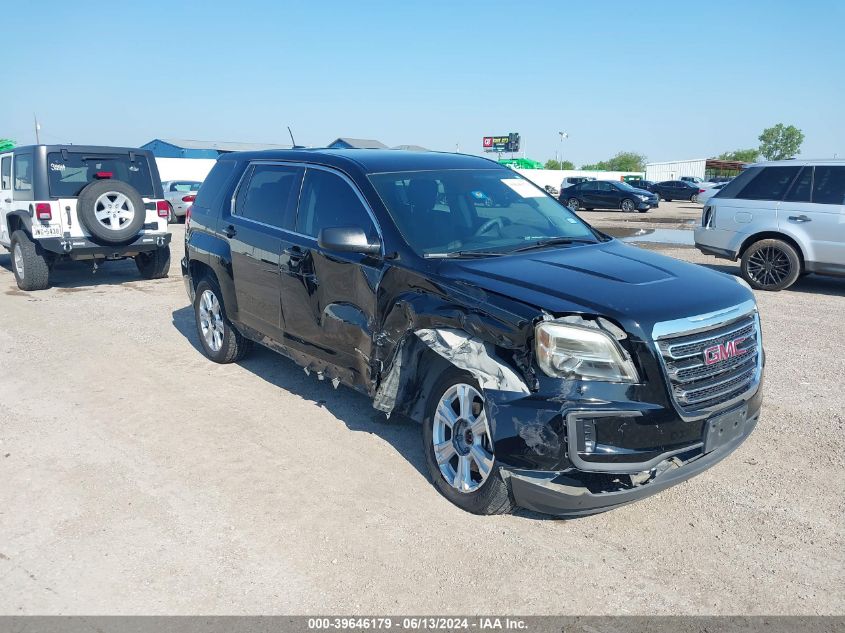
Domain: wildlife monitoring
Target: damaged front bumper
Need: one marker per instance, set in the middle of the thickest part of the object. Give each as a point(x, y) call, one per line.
point(575, 493)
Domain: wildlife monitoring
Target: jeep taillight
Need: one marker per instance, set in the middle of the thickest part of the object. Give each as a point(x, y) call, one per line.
point(162, 208)
point(189, 198)
point(188, 218)
point(43, 211)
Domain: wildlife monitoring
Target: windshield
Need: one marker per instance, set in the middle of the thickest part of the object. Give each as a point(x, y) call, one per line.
point(447, 211)
point(69, 172)
point(626, 187)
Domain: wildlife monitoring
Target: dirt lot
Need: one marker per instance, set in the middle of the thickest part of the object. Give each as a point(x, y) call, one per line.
point(138, 477)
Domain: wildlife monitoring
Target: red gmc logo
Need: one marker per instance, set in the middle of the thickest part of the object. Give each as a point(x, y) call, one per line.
point(724, 351)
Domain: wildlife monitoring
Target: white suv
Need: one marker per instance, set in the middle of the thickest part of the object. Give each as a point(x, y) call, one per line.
point(78, 202)
point(781, 219)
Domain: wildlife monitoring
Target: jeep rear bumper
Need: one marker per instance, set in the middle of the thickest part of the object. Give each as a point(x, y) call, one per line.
point(83, 248)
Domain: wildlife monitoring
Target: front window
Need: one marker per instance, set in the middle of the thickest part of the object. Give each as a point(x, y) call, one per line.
point(69, 172)
point(450, 211)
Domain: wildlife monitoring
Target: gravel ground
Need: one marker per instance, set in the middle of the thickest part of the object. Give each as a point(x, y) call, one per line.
point(136, 477)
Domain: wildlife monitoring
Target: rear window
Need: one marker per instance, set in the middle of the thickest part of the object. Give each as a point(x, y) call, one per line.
point(213, 185)
point(69, 172)
point(829, 185)
point(185, 187)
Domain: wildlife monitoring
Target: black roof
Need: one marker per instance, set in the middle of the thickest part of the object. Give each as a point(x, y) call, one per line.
point(93, 149)
point(373, 161)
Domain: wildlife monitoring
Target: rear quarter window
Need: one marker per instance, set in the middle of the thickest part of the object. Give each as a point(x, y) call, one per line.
point(731, 189)
point(214, 186)
point(829, 185)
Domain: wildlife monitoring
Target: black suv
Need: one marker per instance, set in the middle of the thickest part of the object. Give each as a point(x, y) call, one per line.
point(607, 194)
point(551, 366)
point(669, 190)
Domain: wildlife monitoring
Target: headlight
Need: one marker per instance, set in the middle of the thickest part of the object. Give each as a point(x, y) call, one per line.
point(572, 351)
point(643, 198)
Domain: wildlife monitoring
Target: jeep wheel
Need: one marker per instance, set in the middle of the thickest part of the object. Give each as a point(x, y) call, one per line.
point(112, 211)
point(221, 342)
point(770, 265)
point(31, 268)
point(154, 264)
point(459, 448)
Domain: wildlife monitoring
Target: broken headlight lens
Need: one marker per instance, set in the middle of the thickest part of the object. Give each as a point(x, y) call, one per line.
point(583, 353)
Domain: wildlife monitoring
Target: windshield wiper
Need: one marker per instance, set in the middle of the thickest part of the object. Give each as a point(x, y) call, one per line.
point(554, 241)
point(463, 254)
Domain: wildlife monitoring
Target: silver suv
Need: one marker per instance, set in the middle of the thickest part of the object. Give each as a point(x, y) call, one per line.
point(781, 219)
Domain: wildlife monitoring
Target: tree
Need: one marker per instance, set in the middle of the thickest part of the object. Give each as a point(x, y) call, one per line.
point(554, 164)
point(6, 144)
point(623, 161)
point(742, 155)
point(781, 141)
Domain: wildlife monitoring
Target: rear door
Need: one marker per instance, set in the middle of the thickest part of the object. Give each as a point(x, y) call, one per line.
point(329, 299)
point(814, 211)
point(263, 209)
point(5, 196)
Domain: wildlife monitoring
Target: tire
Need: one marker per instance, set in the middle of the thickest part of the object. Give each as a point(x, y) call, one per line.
point(474, 492)
point(573, 204)
point(154, 264)
point(770, 265)
point(643, 210)
point(171, 216)
point(104, 202)
point(628, 205)
point(31, 268)
point(225, 344)
point(694, 198)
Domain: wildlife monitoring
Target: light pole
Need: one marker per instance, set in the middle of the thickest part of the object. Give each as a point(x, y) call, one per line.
point(563, 135)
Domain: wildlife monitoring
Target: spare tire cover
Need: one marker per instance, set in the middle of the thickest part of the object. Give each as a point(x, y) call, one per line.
point(112, 210)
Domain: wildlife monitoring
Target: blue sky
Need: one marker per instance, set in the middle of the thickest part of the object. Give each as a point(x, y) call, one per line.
point(669, 80)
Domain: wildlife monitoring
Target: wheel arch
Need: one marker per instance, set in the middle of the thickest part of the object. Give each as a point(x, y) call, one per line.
point(19, 221)
point(773, 235)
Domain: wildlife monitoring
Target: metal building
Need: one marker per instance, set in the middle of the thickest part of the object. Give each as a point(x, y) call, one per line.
point(675, 169)
point(187, 148)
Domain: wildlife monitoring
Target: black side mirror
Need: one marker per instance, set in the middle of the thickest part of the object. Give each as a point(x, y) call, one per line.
point(347, 239)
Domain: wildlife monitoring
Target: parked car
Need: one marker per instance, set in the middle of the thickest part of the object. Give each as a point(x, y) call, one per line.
point(551, 366)
point(608, 194)
point(79, 202)
point(574, 180)
point(705, 193)
point(180, 195)
point(669, 190)
point(638, 183)
point(693, 180)
point(780, 219)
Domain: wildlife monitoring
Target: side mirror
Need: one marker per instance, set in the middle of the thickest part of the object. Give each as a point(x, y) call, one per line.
point(347, 239)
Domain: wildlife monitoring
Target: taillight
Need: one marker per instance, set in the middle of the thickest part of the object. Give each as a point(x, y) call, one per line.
point(702, 190)
point(188, 218)
point(101, 175)
point(43, 211)
point(189, 198)
point(162, 208)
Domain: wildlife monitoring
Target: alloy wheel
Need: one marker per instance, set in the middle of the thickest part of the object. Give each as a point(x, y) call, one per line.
point(114, 210)
point(769, 266)
point(573, 204)
point(461, 438)
point(211, 321)
point(627, 206)
point(18, 255)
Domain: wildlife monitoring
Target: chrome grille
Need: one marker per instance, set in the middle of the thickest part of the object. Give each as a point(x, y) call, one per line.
point(697, 386)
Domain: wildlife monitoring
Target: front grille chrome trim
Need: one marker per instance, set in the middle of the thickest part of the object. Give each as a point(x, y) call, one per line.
point(697, 394)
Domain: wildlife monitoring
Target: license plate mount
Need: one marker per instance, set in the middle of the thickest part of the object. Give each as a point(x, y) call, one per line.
point(724, 428)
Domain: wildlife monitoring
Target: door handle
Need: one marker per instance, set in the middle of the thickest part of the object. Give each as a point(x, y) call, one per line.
point(799, 218)
point(230, 231)
point(8, 200)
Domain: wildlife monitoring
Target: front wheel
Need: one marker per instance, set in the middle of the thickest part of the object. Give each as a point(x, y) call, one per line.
point(770, 265)
point(694, 198)
point(459, 448)
point(220, 341)
point(31, 268)
point(573, 204)
point(172, 218)
point(628, 205)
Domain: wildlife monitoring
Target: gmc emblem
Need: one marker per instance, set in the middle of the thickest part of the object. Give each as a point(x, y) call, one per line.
point(724, 351)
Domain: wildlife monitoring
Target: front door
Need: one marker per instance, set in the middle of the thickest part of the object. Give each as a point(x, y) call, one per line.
point(5, 196)
point(264, 208)
point(329, 299)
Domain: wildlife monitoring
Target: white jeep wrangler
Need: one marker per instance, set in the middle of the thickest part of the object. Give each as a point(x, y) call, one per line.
point(81, 203)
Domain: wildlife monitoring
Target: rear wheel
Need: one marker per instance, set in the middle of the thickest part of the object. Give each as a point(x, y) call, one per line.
point(770, 265)
point(31, 268)
point(154, 264)
point(628, 205)
point(220, 341)
point(694, 197)
point(172, 218)
point(459, 447)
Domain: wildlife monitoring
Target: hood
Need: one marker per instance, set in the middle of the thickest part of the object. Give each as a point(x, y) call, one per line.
point(643, 192)
point(634, 286)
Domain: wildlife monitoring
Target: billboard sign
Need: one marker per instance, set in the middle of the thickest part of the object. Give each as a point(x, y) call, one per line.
point(503, 143)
